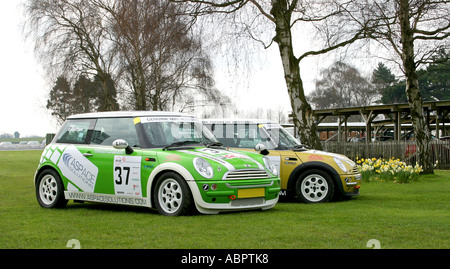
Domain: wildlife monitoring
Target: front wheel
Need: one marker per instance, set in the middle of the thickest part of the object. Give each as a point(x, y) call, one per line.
point(50, 190)
point(172, 195)
point(314, 186)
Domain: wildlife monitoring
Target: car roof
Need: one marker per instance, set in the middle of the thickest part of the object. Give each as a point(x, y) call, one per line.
point(116, 114)
point(230, 120)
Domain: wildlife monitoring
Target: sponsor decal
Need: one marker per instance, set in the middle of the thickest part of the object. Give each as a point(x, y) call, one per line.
point(210, 157)
point(234, 155)
point(78, 169)
point(172, 158)
point(167, 119)
point(314, 157)
point(105, 198)
point(212, 151)
point(223, 154)
point(127, 175)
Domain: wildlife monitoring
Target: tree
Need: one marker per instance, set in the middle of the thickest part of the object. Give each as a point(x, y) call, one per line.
point(342, 85)
point(70, 36)
point(159, 56)
point(83, 97)
point(391, 90)
point(382, 77)
point(394, 94)
point(434, 80)
point(59, 101)
point(330, 18)
point(141, 49)
point(414, 30)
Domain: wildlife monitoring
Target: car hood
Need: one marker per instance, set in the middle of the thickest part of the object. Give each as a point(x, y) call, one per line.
point(318, 155)
point(219, 158)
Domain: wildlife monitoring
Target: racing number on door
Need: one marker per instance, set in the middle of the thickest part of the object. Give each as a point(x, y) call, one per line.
point(127, 175)
point(118, 175)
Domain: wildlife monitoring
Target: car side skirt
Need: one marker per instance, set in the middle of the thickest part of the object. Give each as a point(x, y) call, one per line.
point(107, 198)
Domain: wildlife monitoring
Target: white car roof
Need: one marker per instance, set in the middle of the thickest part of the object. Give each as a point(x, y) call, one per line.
point(230, 120)
point(115, 114)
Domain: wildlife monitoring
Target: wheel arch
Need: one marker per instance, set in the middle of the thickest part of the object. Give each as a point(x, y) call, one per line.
point(160, 170)
point(43, 168)
point(313, 165)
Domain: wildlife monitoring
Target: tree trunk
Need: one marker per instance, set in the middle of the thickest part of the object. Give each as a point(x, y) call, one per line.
point(421, 132)
point(302, 112)
point(109, 103)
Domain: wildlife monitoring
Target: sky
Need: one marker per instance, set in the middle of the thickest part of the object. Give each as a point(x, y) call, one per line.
point(24, 91)
point(22, 85)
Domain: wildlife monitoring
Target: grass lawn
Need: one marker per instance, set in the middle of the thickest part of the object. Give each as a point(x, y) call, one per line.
point(399, 216)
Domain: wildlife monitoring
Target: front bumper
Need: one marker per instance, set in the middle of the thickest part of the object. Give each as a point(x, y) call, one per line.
point(214, 196)
point(350, 184)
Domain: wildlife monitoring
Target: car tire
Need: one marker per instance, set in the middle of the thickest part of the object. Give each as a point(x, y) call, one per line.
point(314, 186)
point(172, 195)
point(50, 190)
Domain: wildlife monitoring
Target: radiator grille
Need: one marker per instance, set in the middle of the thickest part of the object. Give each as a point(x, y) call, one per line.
point(248, 202)
point(246, 174)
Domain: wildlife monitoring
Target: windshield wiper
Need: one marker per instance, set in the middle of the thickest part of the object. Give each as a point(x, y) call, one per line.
point(301, 147)
point(181, 143)
point(214, 144)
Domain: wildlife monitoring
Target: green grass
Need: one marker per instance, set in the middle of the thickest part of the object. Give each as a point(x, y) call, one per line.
point(17, 140)
point(399, 216)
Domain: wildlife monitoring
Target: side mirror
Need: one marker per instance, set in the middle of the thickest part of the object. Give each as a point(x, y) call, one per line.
point(261, 149)
point(122, 144)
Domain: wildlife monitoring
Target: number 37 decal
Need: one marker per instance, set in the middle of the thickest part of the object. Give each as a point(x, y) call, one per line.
point(127, 175)
point(118, 176)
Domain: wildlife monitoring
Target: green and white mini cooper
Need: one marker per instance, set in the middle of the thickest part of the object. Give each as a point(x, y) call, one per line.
point(161, 160)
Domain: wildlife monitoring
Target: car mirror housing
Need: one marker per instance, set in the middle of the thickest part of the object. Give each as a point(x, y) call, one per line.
point(261, 149)
point(122, 144)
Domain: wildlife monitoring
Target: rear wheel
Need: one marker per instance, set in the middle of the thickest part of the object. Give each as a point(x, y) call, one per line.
point(314, 186)
point(172, 195)
point(50, 190)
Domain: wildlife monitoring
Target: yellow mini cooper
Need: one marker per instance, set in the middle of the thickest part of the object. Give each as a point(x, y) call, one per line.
point(311, 176)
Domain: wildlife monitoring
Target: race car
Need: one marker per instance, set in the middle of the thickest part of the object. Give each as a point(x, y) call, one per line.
point(311, 176)
point(161, 160)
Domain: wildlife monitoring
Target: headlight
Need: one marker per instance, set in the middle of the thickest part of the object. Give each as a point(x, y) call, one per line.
point(203, 167)
point(340, 164)
point(270, 166)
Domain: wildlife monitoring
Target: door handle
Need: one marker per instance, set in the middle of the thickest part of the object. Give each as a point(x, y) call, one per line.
point(88, 154)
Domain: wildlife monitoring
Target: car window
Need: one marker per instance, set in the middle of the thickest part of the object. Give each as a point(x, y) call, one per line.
point(282, 137)
point(109, 129)
point(248, 135)
point(163, 132)
point(75, 132)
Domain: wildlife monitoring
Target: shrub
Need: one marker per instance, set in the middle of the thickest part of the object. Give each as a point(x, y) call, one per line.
point(392, 170)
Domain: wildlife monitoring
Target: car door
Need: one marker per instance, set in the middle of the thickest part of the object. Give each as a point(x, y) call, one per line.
point(119, 173)
point(78, 173)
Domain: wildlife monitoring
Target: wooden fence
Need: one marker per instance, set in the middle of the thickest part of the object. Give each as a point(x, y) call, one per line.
point(403, 150)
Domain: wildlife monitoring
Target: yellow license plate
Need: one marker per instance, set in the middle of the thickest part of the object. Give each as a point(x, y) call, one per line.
point(248, 193)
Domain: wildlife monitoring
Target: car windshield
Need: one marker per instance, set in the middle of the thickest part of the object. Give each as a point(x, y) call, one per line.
point(164, 132)
point(248, 135)
point(279, 138)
